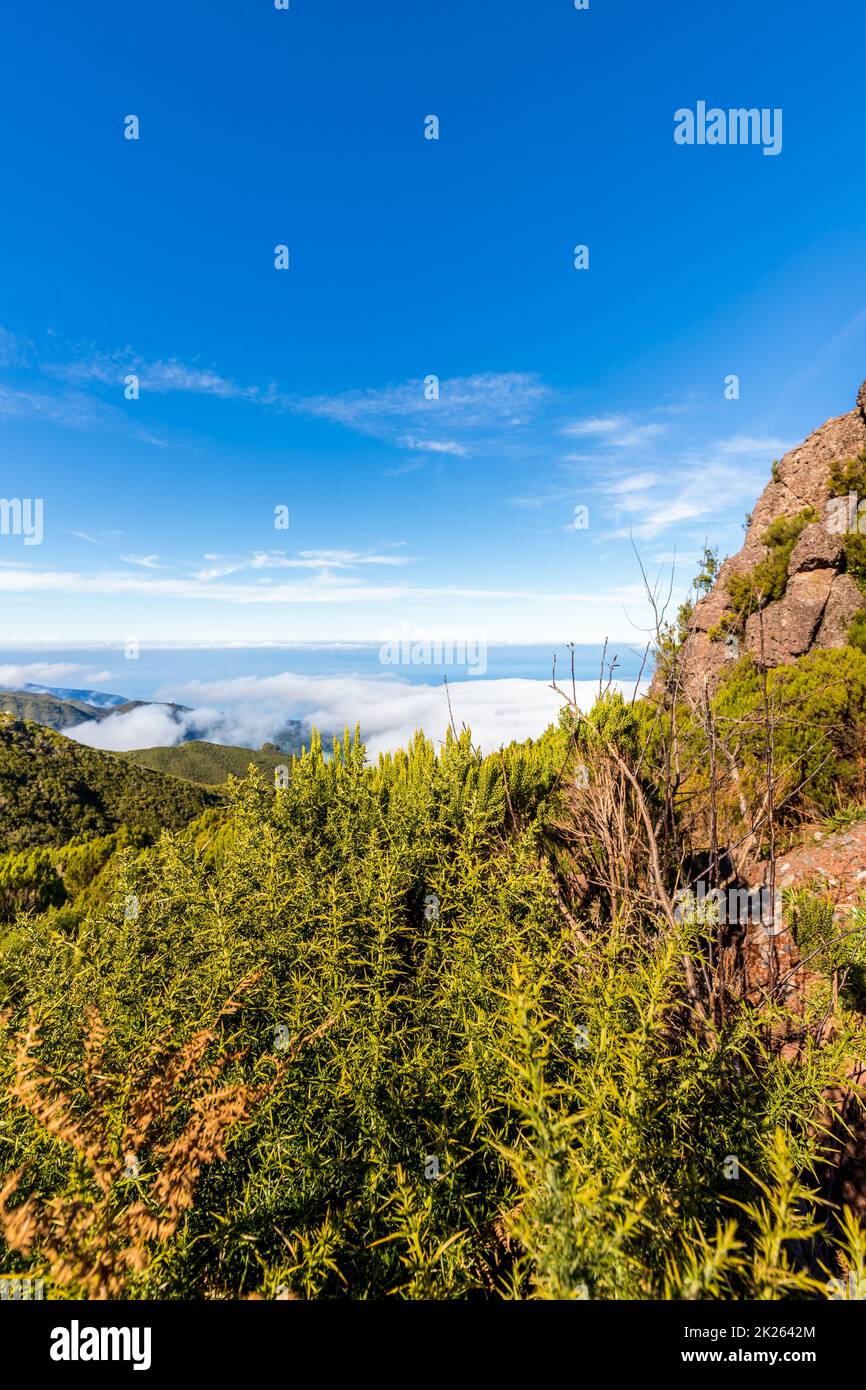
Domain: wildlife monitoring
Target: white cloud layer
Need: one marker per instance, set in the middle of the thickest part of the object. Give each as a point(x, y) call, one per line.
point(13, 677)
point(252, 710)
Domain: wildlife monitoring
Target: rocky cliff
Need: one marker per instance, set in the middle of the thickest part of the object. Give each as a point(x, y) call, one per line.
point(792, 587)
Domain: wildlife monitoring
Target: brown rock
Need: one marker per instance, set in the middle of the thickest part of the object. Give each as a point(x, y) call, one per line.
point(702, 665)
point(820, 600)
point(784, 630)
point(776, 500)
point(804, 470)
point(844, 603)
point(816, 549)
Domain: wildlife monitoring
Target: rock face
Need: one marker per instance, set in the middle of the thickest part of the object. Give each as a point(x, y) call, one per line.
point(820, 599)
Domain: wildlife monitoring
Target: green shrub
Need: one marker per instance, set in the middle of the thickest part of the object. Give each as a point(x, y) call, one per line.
point(818, 705)
point(831, 944)
point(848, 476)
point(673, 635)
point(449, 1089)
point(28, 883)
point(857, 632)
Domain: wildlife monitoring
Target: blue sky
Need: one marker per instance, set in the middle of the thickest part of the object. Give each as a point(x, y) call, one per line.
point(409, 257)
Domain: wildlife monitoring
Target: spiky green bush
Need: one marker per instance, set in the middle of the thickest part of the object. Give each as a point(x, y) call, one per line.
point(819, 726)
point(460, 1091)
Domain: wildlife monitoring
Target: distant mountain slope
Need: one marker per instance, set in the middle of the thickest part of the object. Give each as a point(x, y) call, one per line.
point(207, 763)
point(52, 789)
point(57, 713)
point(100, 698)
point(47, 709)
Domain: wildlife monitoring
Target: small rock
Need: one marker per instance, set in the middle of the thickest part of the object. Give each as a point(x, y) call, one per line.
point(844, 601)
point(816, 549)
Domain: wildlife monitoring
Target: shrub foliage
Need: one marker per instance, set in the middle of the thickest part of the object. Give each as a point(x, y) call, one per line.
point(361, 1038)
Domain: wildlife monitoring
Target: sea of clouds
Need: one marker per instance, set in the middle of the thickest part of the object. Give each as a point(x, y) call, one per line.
point(253, 710)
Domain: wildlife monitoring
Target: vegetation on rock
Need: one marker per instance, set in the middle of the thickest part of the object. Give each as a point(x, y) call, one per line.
point(767, 580)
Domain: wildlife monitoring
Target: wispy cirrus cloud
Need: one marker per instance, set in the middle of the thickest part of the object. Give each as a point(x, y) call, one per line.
point(323, 559)
point(696, 484)
point(471, 414)
point(514, 416)
point(749, 446)
point(474, 402)
point(615, 431)
point(147, 562)
point(435, 446)
point(602, 425)
point(320, 562)
point(163, 378)
point(410, 466)
point(71, 408)
point(684, 477)
point(634, 482)
point(468, 414)
point(14, 350)
point(637, 436)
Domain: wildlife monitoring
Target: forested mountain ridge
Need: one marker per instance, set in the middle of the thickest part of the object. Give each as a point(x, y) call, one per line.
point(62, 713)
point(53, 789)
point(50, 710)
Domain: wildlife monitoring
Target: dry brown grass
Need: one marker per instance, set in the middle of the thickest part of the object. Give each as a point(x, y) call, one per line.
point(92, 1241)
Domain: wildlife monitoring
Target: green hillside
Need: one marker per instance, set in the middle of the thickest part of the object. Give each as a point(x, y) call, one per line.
point(57, 713)
point(48, 709)
point(52, 789)
point(208, 763)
